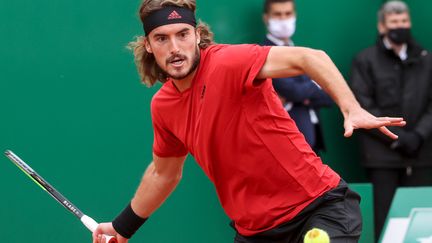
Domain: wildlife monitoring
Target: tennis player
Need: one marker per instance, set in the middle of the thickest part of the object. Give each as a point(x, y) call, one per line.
point(218, 104)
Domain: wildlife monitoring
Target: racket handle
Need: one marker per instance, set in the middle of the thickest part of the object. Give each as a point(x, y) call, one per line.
point(91, 224)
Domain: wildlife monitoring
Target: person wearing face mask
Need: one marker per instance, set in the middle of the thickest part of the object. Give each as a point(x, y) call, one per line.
point(300, 96)
point(394, 77)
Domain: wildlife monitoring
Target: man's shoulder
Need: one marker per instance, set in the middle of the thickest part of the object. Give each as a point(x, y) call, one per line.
point(160, 104)
point(156, 99)
point(227, 48)
point(214, 48)
point(212, 51)
point(165, 92)
point(231, 55)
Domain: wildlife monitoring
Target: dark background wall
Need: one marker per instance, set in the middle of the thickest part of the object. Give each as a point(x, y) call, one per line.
point(72, 106)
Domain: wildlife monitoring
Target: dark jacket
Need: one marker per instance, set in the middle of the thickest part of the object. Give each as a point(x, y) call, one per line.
point(297, 90)
point(387, 86)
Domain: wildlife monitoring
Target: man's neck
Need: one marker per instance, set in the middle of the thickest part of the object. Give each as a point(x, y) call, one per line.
point(185, 83)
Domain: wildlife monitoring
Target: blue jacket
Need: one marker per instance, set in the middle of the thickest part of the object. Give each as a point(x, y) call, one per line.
point(296, 90)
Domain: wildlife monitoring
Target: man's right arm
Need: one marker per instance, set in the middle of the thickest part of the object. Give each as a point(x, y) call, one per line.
point(159, 180)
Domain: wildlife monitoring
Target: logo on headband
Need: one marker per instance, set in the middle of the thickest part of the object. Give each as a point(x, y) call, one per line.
point(168, 15)
point(174, 15)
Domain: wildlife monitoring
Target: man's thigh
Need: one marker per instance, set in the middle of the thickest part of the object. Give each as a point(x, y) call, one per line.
point(340, 217)
point(337, 212)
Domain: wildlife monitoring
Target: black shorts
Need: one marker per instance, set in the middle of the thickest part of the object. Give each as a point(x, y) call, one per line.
point(337, 212)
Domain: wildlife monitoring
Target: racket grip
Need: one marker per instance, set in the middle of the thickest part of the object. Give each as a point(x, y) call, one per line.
point(91, 224)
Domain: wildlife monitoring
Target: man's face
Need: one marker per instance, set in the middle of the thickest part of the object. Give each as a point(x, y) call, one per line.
point(394, 21)
point(175, 47)
point(280, 11)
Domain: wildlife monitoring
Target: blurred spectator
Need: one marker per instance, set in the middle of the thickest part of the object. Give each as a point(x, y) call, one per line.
point(300, 95)
point(394, 78)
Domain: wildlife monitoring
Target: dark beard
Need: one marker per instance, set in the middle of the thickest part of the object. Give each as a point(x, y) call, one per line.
point(194, 66)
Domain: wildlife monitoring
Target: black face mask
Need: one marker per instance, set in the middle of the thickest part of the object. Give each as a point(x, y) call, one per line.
point(399, 35)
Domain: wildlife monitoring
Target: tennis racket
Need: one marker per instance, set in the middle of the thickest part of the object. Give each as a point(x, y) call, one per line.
point(90, 223)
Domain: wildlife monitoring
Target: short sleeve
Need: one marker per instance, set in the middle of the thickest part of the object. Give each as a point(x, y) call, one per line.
point(165, 143)
point(245, 61)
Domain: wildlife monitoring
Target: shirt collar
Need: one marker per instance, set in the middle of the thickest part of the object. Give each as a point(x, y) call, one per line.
point(279, 42)
point(403, 55)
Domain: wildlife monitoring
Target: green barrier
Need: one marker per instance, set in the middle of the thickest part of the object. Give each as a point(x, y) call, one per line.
point(366, 206)
point(410, 217)
point(72, 106)
point(419, 229)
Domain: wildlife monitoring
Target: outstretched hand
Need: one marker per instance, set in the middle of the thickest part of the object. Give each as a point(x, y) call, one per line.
point(360, 118)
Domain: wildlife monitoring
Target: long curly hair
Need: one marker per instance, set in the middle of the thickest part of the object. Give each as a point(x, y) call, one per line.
point(148, 69)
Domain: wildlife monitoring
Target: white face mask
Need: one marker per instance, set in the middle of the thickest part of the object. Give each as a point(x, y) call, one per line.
point(282, 28)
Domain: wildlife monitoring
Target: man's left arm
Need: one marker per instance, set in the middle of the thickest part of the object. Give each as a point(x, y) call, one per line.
point(293, 61)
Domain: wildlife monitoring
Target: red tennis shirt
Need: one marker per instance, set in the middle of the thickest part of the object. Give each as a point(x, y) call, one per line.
point(264, 171)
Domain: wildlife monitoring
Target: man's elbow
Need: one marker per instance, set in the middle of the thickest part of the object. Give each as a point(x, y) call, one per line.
point(313, 58)
point(164, 176)
point(315, 54)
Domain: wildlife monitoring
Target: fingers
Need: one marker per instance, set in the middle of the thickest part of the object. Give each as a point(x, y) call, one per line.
point(393, 124)
point(391, 121)
point(363, 119)
point(381, 124)
point(98, 239)
point(102, 238)
point(348, 131)
point(95, 235)
point(101, 232)
point(398, 124)
point(387, 132)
